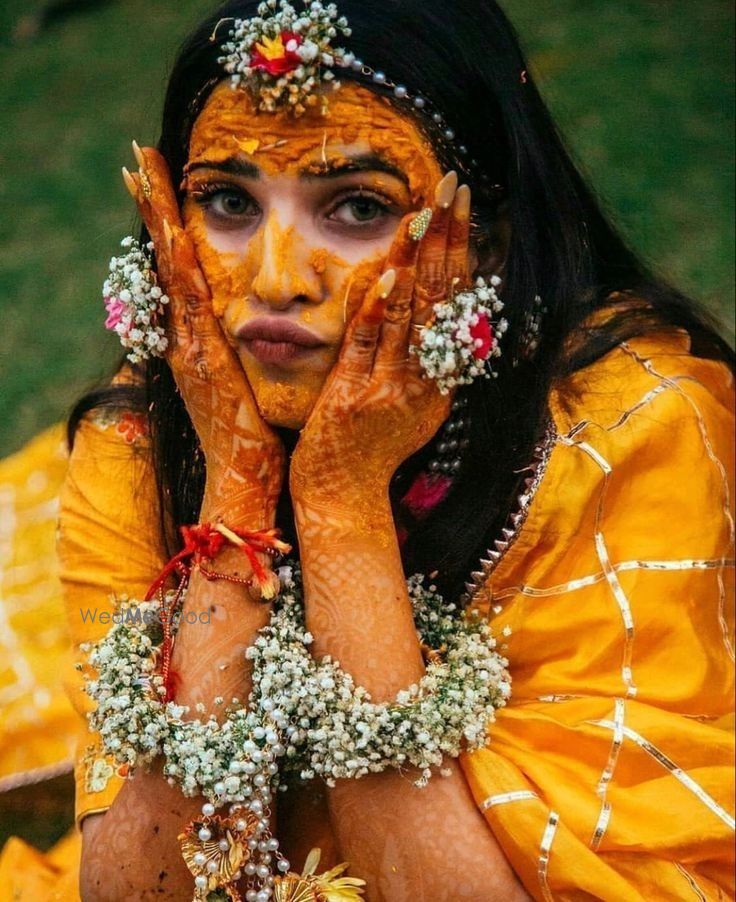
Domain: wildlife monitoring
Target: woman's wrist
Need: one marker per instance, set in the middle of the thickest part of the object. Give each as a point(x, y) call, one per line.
point(359, 509)
point(249, 509)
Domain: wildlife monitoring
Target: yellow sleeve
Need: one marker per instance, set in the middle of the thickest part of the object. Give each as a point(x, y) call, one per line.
point(108, 546)
point(37, 724)
point(610, 773)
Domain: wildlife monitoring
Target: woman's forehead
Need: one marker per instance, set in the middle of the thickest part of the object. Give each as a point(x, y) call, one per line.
point(358, 124)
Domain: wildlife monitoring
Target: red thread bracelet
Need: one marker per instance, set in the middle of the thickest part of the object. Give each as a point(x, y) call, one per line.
point(203, 542)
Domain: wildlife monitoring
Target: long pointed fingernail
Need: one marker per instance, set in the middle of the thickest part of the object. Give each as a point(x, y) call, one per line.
point(445, 193)
point(130, 184)
point(140, 159)
point(386, 283)
point(461, 210)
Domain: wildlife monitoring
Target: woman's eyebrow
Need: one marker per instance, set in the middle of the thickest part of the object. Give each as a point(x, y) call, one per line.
point(327, 169)
point(232, 166)
point(345, 165)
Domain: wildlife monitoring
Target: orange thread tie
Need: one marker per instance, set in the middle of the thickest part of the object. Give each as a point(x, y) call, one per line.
point(203, 542)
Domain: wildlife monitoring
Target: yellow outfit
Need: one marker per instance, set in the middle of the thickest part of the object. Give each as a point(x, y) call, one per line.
point(610, 773)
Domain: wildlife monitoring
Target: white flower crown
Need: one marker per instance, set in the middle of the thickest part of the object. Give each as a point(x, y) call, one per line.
point(286, 56)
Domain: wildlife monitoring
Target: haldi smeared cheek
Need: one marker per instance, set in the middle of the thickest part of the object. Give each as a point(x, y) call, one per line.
point(282, 215)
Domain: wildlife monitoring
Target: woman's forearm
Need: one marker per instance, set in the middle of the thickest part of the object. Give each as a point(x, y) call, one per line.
point(132, 850)
point(408, 843)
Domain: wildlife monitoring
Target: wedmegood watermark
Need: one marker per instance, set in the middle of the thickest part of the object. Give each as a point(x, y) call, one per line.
point(136, 617)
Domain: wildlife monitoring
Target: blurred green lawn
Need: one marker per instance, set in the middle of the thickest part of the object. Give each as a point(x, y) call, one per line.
point(644, 91)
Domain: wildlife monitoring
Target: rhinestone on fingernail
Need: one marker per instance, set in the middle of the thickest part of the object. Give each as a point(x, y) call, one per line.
point(145, 185)
point(419, 225)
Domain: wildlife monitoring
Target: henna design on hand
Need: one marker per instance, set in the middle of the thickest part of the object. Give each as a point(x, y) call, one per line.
point(245, 459)
point(377, 408)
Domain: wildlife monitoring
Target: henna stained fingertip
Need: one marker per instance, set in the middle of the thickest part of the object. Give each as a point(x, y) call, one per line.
point(461, 209)
point(446, 190)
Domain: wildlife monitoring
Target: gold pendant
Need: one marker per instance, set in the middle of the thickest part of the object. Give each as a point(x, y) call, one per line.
point(293, 888)
point(219, 858)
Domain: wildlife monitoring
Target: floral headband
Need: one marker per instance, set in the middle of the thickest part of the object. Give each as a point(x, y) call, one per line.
point(287, 59)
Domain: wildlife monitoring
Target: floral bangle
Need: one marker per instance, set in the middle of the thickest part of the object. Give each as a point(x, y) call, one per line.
point(304, 718)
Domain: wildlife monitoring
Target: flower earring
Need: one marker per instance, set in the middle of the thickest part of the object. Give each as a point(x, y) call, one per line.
point(462, 338)
point(135, 303)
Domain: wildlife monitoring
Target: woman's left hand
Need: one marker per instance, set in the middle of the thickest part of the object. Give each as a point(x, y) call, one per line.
point(377, 408)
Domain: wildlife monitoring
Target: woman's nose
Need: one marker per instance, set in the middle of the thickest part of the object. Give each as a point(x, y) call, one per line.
point(285, 276)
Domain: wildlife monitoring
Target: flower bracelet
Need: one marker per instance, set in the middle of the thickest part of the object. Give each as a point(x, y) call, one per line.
point(304, 718)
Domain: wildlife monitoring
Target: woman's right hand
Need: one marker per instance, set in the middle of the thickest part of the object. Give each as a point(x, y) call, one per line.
point(245, 458)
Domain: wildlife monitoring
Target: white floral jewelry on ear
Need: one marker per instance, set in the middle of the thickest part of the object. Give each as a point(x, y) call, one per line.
point(135, 303)
point(462, 338)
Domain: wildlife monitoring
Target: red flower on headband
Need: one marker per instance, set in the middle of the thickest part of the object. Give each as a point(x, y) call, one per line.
point(277, 56)
point(482, 330)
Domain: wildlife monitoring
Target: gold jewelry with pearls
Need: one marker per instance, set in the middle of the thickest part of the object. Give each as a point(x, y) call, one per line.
point(420, 224)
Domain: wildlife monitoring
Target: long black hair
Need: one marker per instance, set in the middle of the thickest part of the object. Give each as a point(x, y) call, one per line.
point(464, 57)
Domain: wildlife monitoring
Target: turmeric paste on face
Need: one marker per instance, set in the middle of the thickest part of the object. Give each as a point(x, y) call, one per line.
point(289, 266)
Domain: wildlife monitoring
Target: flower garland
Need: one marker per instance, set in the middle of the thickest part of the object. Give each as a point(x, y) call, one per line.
point(343, 734)
point(284, 56)
point(457, 346)
point(135, 303)
point(304, 718)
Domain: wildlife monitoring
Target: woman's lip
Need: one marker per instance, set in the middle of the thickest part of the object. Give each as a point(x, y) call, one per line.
point(277, 341)
point(273, 330)
point(277, 351)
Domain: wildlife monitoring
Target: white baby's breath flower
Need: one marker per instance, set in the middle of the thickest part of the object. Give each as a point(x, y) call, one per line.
point(135, 303)
point(457, 345)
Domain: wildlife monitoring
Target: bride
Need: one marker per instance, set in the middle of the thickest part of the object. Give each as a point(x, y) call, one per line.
point(309, 210)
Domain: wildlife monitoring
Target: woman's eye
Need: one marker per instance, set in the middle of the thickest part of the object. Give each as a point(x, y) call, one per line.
point(228, 205)
point(359, 210)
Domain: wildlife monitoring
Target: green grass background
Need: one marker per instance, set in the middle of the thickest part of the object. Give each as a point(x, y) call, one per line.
point(643, 90)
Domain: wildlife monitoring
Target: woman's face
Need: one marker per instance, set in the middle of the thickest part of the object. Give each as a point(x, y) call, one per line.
point(293, 220)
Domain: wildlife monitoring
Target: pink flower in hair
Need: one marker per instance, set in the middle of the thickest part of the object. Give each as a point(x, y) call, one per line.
point(426, 492)
point(115, 309)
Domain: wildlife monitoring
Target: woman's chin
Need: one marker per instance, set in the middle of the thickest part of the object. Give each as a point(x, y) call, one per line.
point(285, 405)
point(284, 421)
